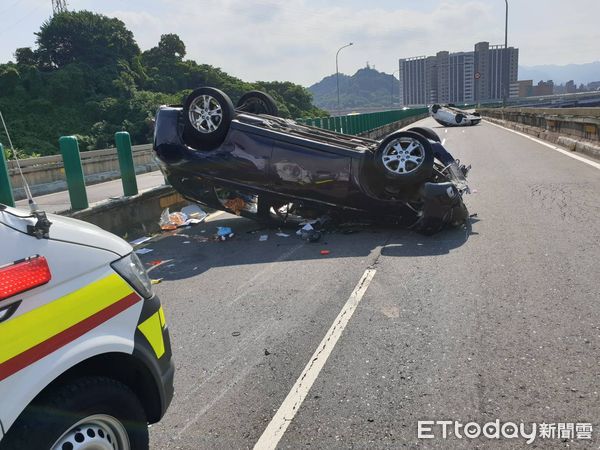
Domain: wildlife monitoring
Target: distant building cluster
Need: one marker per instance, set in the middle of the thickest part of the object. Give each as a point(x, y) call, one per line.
point(488, 73)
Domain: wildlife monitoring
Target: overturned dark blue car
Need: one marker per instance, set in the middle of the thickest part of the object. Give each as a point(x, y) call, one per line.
point(248, 161)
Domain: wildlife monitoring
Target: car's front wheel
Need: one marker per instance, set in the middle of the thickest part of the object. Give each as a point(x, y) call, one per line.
point(405, 157)
point(207, 113)
point(89, 413)
point(459, 118)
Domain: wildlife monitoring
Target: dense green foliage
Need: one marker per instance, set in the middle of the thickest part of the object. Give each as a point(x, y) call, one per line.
point(88, 77)
point(367, 87)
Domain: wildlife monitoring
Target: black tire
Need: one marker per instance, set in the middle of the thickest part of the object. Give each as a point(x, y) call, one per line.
point(257, 102)
point(427, 132)
point(206, 124)
point(435, 108)
point(55, 414)
point(419, 157)
point(459, 118)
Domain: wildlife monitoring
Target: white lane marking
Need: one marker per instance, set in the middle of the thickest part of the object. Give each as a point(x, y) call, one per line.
point(553, 147)
point(290, 406)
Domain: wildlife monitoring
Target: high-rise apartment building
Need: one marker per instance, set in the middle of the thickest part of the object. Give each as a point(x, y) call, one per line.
point(487, 73)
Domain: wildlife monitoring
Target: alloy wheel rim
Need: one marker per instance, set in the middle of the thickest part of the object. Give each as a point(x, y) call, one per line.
point(205, 113)
point(403, 155)
point(97, 432)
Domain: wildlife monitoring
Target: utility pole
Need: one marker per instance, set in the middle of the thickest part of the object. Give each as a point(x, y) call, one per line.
point(506, 59)
point(59, 6)
point(337, 74)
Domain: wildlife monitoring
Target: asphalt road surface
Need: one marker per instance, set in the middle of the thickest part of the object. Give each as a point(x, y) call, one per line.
point(496, 321)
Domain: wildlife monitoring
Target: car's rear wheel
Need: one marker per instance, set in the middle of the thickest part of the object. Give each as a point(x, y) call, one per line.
point(257, 102)
point(405, 157)
point(93, 412)
point(435, 108)
point(207, 115)
point(427, 132)
point(459, 118)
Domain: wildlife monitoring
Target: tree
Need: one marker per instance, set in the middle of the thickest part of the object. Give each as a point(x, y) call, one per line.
point(25, 56)
point(84, 37)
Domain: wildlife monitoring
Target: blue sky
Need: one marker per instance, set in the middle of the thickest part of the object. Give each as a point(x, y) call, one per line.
point(296, 40)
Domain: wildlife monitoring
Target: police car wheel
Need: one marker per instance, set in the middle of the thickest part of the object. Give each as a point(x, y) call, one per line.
point(88, 413)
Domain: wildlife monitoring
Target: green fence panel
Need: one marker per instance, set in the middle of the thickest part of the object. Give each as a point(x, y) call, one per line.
point(344, 124)
point(338, 124)
point(6, 193)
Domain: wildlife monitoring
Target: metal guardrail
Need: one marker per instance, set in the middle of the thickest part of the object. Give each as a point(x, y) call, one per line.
point(361, 123)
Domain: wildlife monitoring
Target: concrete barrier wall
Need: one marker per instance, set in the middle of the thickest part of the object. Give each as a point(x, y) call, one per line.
point(46, 174)
point(577, 129)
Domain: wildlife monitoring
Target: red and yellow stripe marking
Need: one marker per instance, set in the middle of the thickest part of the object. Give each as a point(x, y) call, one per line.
point(34, 335)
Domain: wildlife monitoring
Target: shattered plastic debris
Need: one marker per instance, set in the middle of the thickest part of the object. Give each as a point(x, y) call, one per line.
point(263, 238)
point(325, 252)
point(156, 262)
point(236, 333)
point(282, 235)
point(236, 205)
point(156, 281)
point(143, 251)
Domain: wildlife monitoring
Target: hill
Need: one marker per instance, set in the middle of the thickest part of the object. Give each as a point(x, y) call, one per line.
point(367, 87)
point(88, 77)
point(579, 73)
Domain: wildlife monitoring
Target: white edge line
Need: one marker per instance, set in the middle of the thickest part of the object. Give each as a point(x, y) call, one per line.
point(290, 406)
point(553, 147)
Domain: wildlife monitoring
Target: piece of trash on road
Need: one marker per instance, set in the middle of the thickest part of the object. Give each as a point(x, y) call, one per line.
point(282, 235)
point(190, 215)
point(194, 213)
point(156, 281)
point(143, 251)
point(140, 241)
point(187, 242)
point(267, 352)
point(263, 238)
point(306, 228)
point(325, 252)
point(224, 233)
point(236, 333)
point(156, 262)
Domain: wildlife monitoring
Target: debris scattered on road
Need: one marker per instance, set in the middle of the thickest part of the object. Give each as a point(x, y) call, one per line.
point(143, 251)
point(224, 233)
point(156, 262)
point(187, 242)
point(140, 241)
point(282, 234)
point(263, 237)
point(156, 281)
point(236, 333)
point(325, 252)
point(189, 215)
point(473, 215)
point(267, 352)
point(307, 232)
point(194, 212)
